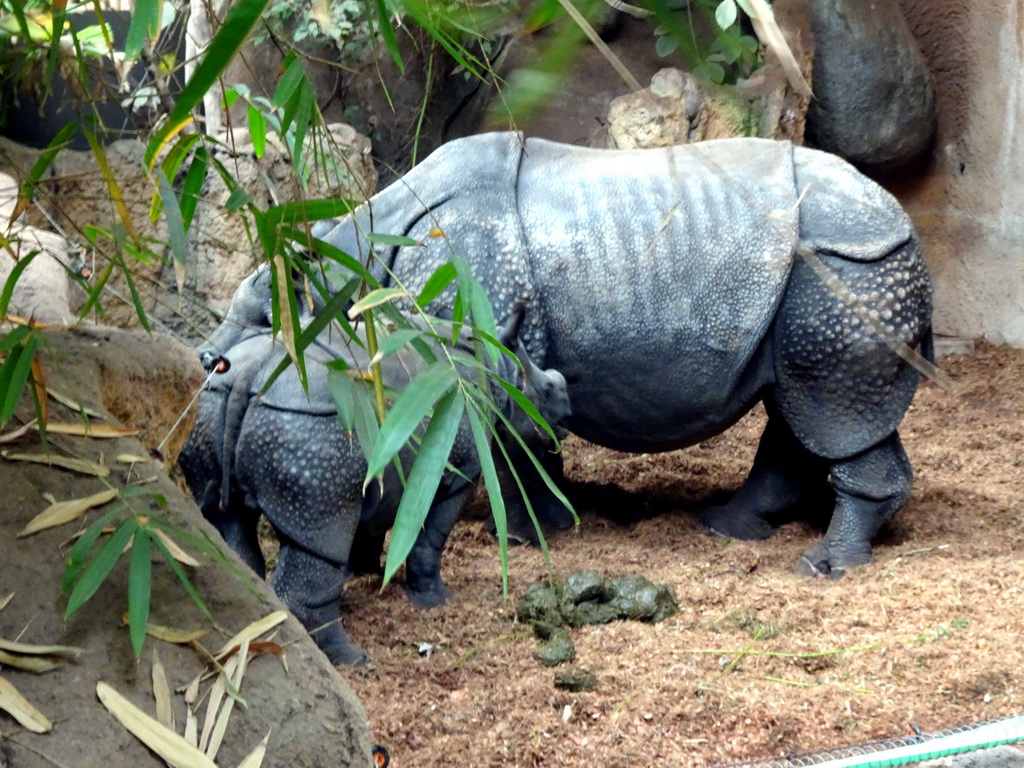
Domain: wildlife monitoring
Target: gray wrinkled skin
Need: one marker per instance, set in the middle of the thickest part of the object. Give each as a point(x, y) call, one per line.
point(286, 455)
point(666, 285)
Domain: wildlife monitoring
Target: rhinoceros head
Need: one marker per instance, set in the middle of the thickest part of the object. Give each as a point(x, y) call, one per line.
point(251, 313)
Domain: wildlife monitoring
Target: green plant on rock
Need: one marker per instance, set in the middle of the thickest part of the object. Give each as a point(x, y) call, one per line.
point(715, 44)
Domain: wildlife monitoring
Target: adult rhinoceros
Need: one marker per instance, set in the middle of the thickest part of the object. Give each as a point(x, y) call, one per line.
point(666, 285)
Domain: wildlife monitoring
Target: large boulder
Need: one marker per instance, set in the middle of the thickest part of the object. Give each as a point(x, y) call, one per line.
point(679, 109)
point(43, 291)
point(873, 100)
point(74, 194)
point(311, 715)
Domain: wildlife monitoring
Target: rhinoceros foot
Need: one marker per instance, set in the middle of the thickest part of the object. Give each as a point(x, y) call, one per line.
point(820, 562)
point(437, 594)
point(735, 523)
point(345, 653)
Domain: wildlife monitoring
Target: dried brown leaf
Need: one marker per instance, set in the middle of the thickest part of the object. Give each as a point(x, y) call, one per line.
point(221, 726)
point(14, 434)
point(64, 462)
point(255, 758)
point(130, 458)
point(191, 727)
point(176, 551)
point(162, 693)
point(35, 664)
point(65, 511)
point(67, 651)
point(171, 747)
point(769, 33)
point(72, 404)
point(251, 632)
point(216, 696)
point(17, 706)
point(171, 634)
point(39, 381)
point(88, 429)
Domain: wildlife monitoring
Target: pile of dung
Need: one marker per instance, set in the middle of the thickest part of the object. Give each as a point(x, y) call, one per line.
point(586, 597)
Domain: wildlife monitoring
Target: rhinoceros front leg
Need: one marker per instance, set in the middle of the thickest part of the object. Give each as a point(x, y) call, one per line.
point(869, 488)
point(238, 525)
point(785, 475)
point(550, 512)
point(423, 582)
point(311, 588)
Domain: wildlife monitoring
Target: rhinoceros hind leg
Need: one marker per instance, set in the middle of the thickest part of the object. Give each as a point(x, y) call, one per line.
point(785, 477)
point(364, 559)
point(869, 488)
point(311, 588)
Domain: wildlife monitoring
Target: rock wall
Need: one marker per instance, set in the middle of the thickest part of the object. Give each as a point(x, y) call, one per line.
point(966, 200)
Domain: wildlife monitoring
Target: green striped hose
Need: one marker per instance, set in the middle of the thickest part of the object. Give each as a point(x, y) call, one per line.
point(905, 751)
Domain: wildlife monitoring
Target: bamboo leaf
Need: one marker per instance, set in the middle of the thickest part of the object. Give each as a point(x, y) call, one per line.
point(290, 79)
point(287, 311)
point(482, 442)
point(80, 550)
point(161, 693)
point(35, 664)
point(140, 572)
point(240, 18)
point(387, 33)
point(75, 465)
point(94, 574)
point(6, 600)
point(342, 386)
point(173, 217)
point(300, 211)
point(12, 279)
point(408, 412)
point(171, 634)
point(39, 167)
point(67, 651)
point(112, 186)
point(192, 189)
point(251, 632)
point(176, 551)
point(424, 479)
point(769, 33)
point(257, 130)
point(191, 727)
point(14, 434)
point(65, 511)
point(87, 429)
point(441, 279)
point(73, 404)
point(145, 22)
point(217, 737)
point(395, 340)
point(373, 299)
point(183, 578)
point(14, 374)
point(215, 699)
point(171, 747)
point(17, 706)
point(365, 417)
point(255, 758)
point(398, 241)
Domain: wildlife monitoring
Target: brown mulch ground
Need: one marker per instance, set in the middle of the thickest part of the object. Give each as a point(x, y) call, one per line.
point(929, 635)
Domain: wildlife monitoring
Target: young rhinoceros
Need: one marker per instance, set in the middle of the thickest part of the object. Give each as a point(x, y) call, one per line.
point(286, 455)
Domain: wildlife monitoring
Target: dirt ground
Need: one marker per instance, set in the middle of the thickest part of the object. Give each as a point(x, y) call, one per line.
point(929, 635)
